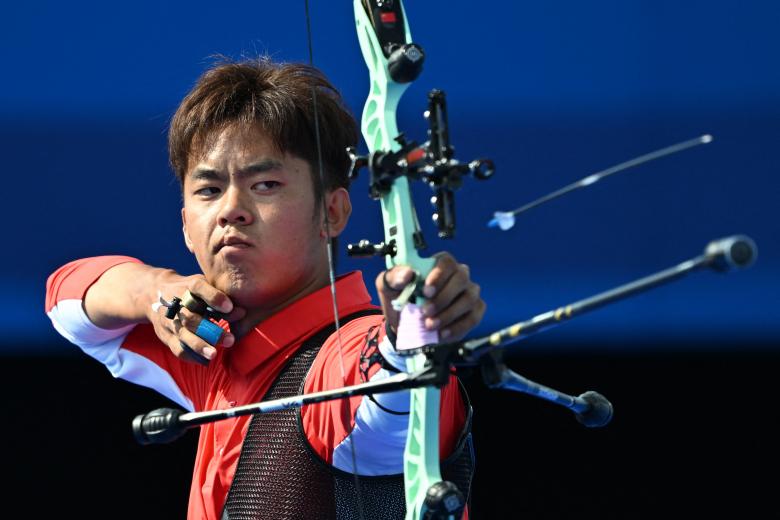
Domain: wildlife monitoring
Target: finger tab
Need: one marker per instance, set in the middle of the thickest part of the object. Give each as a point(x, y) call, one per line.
point(193, 303)
point(209, 331)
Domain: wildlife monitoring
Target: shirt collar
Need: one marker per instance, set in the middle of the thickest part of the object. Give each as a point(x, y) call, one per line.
point(281, 333)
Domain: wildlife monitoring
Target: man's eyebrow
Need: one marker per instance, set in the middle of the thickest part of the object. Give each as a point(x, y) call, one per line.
point(262, 166)
point(203, 173)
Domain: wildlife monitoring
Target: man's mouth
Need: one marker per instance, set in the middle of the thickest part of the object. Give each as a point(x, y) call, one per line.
point(232, 243)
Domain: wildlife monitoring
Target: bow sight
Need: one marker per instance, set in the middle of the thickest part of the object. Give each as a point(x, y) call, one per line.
point(432, 162)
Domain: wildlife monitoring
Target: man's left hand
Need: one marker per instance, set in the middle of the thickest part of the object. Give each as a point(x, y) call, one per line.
point(452, 306)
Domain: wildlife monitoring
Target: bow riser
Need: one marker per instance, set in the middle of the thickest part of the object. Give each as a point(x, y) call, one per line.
point(379, 127)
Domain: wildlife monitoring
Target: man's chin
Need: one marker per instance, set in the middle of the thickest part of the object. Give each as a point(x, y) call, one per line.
point(242, 291)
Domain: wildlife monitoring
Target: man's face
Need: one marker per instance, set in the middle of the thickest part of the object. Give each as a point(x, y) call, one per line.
point(249, 217)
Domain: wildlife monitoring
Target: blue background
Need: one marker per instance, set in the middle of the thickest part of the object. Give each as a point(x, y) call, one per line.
point(552, 91)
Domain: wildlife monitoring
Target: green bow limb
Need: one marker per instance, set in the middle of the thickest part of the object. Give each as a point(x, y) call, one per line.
point(421, 457)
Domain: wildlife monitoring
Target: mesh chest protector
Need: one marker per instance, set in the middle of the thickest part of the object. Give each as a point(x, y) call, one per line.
point(280, 477)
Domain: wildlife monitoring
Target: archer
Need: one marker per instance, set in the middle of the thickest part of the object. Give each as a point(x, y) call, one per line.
point(258, 220)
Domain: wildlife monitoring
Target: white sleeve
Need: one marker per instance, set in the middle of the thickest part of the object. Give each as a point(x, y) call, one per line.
point(105, 345)
point(379, 434)
point(381, 421)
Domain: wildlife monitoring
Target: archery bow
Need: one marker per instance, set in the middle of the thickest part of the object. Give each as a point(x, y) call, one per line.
point(394, 61)
point(421, 460)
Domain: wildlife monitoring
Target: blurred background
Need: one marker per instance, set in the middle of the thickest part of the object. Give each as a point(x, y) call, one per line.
point(552, 92)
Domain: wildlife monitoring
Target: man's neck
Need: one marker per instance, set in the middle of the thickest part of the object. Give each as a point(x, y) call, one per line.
point(257, 314)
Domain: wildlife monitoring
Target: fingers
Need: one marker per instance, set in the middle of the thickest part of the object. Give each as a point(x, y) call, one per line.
point(454, 305)
point(191, 355)
point(191, 322)
point(187, 344)
point(213, 297)
point(443, 286)
point(181, 336)
point(192, 292)
point(439, 277)
point(462, 315)
point(395, 279)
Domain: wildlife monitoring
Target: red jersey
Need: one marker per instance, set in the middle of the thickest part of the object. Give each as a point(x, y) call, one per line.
point(243, 374)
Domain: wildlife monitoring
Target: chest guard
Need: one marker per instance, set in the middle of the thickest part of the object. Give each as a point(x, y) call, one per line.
point(280, 477)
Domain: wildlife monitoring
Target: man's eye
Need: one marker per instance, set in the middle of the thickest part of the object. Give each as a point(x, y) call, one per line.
point(207, 192)
point(266, 185)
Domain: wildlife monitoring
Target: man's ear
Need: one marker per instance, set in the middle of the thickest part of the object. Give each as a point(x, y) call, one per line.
point(187, 240)
point(339, 208)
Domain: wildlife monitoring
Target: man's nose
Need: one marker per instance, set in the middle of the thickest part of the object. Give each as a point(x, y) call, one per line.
point(236, 208)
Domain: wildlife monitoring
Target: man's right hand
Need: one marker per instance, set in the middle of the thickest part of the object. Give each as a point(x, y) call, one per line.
point(179, 333)
point(127, 294)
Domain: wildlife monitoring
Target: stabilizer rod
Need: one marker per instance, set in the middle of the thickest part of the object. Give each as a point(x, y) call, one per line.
point(734, 252)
